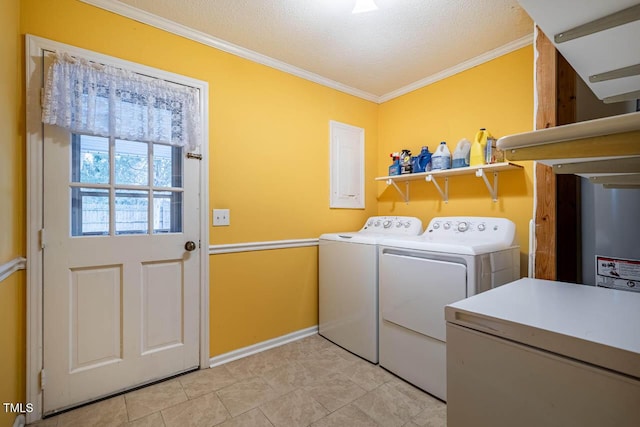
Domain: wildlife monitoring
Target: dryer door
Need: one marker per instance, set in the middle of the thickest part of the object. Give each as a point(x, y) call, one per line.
point(414, 291)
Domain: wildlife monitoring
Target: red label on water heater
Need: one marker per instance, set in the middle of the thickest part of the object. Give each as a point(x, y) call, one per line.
point(618, 273)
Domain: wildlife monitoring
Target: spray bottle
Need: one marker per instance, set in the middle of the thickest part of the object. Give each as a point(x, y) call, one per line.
point(394, 168)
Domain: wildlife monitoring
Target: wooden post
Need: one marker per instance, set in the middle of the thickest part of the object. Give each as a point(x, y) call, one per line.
point(545, 210)
point(568, 199)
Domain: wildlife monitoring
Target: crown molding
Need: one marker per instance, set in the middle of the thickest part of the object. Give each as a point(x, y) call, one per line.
point(147, 18)
point(131, 12)
point(463, 66)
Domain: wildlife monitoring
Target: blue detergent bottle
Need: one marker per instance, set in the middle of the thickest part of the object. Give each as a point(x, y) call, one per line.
point(422, 162)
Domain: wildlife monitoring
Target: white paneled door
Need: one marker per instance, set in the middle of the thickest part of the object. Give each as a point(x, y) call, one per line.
point(121, 265)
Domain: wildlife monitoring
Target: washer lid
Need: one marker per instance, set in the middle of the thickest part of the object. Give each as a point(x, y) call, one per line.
point(354, 237)
point(449, 247)
point(465, 235)
point(595, 325)
point(377, 227)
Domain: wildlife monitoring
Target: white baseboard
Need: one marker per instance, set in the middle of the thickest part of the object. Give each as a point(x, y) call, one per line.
point(20, 421)
point(262, 346)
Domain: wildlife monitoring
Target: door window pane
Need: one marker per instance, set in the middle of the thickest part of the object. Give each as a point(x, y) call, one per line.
point(90, 159)
point(132, 212)
point(131, 163)
point(110, 165)
point(89, 212)
point(167, 166)
point(167, 212)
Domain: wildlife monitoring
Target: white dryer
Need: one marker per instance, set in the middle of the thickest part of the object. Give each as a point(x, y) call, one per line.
point(348, 283)
point(455, 258)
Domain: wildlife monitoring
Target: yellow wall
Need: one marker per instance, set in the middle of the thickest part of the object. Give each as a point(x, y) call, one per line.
point(12, 211)
point(259, 299)
point(497, 95)
point(12, 178)
point(12, 342)
point(269, 158)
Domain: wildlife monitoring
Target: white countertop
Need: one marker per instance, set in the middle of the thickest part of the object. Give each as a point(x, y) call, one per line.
point(597, 325)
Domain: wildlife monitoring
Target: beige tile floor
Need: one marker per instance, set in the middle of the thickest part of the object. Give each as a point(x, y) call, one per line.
point(310, 382)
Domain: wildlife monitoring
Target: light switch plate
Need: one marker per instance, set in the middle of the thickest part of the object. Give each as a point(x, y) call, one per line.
point(221, 217)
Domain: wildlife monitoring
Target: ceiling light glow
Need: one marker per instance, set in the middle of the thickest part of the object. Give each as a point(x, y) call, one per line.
point(364, 6)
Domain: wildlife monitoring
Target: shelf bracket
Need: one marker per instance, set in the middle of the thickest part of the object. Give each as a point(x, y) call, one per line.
point(493, 189)
point(403, 194)
point(610, 21)
point(445, 193)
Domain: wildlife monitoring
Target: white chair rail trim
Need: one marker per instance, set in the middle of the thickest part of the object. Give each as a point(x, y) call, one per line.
point(8, 268)
point(261, 246)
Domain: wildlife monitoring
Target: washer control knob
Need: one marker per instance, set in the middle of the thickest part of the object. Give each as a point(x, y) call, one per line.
point(398, 224)
point(482, 227)
point(447, 225)
point(387, 223)
point(463, 226)
point(436, 225)
point(377, 223)
point(407, 224)
point(369, 223)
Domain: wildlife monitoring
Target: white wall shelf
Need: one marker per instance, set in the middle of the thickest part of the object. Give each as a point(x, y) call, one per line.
point(591, 149)
point(434, 176)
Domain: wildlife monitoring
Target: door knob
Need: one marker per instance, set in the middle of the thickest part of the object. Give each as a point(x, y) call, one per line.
point(190, 246)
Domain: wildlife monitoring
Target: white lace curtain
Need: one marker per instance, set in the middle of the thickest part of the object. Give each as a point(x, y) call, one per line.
point(86, 97)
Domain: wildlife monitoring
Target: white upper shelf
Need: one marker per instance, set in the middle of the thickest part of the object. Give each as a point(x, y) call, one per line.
point(469, 170)
point(433, 177)
point(610, 145)
point(601, 41)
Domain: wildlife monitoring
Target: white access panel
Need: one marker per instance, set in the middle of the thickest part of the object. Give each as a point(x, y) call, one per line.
point(347, 166)
point(499, 383)
point(348, 299)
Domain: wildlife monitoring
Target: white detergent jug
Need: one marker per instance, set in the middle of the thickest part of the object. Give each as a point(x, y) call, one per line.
point(461, 154)
point(441, 159)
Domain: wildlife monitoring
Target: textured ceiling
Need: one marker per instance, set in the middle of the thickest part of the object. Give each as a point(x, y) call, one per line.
point(377, 52)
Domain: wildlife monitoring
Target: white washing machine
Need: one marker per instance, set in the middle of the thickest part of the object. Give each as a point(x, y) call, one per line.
point(348, 283)
point(455, 258)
